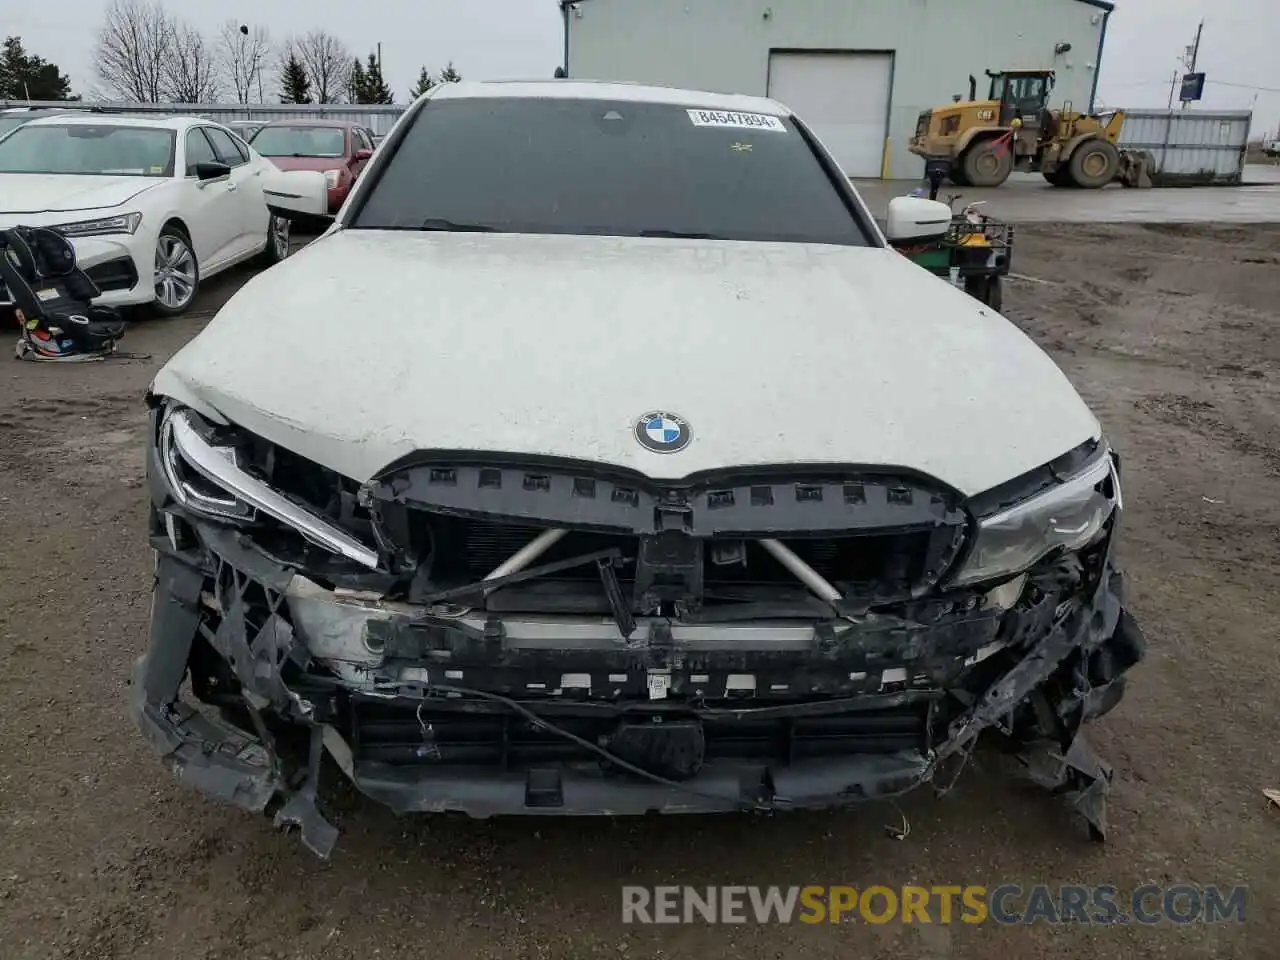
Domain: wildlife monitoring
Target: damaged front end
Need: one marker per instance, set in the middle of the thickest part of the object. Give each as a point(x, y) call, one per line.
point(500, 635)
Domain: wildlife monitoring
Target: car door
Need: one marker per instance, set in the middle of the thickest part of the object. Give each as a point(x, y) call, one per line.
point(252, 216)
point(211, 207)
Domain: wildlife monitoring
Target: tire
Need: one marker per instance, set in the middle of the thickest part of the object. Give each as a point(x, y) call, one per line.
point(279, 237)
point(985, 165)
point(995, 294)
point(988, 290)
point(177, 272)
point(1061, 177)
point(1094, 164)
point(956, 176)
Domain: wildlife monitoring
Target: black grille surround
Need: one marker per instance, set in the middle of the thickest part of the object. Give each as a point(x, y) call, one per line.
point(878, 536)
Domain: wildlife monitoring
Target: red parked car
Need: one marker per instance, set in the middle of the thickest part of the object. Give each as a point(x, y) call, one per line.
point(339, 148)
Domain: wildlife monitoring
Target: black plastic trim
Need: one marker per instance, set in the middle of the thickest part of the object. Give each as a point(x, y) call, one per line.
point(794, 499)
point(1035, 481)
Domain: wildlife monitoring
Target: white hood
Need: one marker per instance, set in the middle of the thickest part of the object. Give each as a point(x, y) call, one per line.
point(54, 193)
point(369, 345)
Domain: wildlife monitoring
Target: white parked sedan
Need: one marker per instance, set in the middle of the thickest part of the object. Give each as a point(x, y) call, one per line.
point(614, 462)
point(153, 206)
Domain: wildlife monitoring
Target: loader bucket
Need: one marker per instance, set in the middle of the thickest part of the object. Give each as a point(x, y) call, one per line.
point(1135, 169)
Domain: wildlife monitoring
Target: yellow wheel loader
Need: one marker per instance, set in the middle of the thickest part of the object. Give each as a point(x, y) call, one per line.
point(984, 141)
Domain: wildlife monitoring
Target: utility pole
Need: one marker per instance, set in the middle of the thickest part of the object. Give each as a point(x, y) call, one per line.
point(1173, 85)
point(1194, 56)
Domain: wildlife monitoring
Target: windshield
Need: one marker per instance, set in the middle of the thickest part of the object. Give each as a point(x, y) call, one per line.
point(102, 150)
point(11, 123)
point(300, 141)
point(520, 165)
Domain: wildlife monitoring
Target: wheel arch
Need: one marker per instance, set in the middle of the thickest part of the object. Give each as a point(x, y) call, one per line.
point(174, 217)
point(974, 136)
point(176, 220)
point(1075, 143)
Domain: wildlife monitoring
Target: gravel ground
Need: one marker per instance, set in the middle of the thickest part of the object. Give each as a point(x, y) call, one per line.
point(1166, 330)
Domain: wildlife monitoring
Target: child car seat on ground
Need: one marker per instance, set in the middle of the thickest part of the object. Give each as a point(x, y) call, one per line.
point(52, 297)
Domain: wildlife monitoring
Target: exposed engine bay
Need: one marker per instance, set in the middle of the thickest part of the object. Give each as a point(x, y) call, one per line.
point(502, 635)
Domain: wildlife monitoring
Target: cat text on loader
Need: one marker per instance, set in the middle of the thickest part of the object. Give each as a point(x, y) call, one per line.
point(1013, 129)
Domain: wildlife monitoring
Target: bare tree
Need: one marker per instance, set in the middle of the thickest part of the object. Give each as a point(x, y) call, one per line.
point(327, 62)
point(190, 71)
point(243, 53)
point(135, 46)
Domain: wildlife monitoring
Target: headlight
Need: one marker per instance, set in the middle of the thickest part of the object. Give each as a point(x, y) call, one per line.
point(207, 479)
point(331, 178)
point(1069, 517)
point(103, 227)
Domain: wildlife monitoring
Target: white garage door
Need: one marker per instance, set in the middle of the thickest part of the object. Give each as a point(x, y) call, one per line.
point(843, 97)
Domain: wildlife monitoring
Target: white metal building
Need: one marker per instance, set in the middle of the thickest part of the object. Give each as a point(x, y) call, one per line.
point(858, 71)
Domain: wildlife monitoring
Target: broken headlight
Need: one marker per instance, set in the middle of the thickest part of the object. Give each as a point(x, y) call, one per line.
point(1067, 517)
point(206, 477)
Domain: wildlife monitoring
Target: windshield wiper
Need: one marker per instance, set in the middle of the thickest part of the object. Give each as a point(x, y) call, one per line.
point(679, 235)
point(448, 226)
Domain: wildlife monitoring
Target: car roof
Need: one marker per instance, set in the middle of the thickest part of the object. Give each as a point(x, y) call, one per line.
point(313, 122)
point(602, 90)
point(35, 112)
point(119, 120)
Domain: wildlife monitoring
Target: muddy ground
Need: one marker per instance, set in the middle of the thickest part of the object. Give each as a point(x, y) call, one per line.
point(1169, 332)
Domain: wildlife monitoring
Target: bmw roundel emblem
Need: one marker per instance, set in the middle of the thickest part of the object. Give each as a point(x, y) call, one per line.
point(663, 432)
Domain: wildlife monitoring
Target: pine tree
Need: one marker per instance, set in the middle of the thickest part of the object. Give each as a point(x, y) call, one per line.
point(425, 83)
point(24, 76)
point(377, 90)
point(294, 85)
point(450, 75)
point(358, 84)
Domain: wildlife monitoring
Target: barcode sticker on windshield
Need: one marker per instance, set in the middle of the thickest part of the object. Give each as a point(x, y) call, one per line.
point(745, 121)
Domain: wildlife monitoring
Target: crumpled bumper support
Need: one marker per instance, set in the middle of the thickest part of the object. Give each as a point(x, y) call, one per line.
point(205, 752)
point(1061, 759)
point(1070, 670)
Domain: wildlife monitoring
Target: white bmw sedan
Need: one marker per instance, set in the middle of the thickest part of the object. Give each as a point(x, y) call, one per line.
point(153, 206)
point(666, 484)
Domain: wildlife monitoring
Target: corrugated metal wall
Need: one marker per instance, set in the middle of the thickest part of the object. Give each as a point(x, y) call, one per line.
point(1190, 146)
point(377, 117)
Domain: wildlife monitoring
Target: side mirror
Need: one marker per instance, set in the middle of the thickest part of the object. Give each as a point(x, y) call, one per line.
point(296, 194)
point(914, 218)
point(212, 171)
point(364, 153)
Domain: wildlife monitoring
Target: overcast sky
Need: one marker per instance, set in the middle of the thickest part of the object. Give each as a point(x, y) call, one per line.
point(493, 39)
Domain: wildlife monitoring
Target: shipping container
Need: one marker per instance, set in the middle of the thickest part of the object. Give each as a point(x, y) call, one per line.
point(1190, 147)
